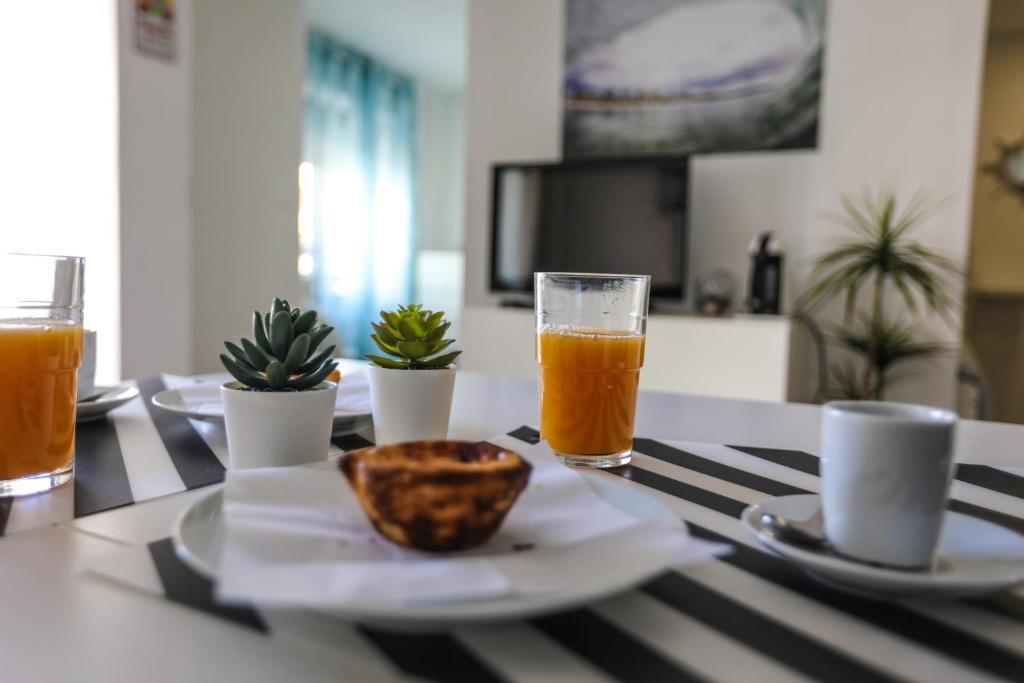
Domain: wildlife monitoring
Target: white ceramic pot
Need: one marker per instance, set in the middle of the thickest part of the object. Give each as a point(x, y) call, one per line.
point(277, 428)
point(409, 405)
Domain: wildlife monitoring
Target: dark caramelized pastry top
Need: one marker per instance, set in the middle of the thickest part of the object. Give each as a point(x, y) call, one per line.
point(436, 495)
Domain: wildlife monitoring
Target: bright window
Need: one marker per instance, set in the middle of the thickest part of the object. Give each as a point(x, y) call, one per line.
point(58, 133)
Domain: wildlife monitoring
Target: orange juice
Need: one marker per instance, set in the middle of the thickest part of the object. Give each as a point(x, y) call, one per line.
point(588, 385)
point(38, 379)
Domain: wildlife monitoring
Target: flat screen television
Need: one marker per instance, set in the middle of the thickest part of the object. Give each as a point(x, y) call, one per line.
point(621, 216)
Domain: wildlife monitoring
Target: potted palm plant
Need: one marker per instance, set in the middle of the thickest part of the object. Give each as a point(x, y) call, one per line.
point(280, 409)
point(884, 260)
point(411, 385)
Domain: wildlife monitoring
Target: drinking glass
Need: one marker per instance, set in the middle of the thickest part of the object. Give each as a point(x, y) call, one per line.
point(40, 352)
point(590, 347)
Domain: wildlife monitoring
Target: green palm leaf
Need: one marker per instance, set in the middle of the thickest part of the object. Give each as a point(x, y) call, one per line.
point(847, 384)
point(882, 254)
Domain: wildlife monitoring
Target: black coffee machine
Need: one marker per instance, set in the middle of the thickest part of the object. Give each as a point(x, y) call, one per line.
point(765, 285)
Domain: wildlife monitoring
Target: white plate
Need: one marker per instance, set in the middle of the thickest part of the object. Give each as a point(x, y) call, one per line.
point(203, 402)
point(974, 556)
point(197, 537)
point(109, 398)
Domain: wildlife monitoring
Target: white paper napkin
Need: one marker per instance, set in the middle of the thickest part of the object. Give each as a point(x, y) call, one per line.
point(297, 537)
point(354, 393)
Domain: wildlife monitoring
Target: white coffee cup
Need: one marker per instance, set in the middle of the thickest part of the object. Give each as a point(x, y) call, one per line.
point(886, 470)
point(87, 371)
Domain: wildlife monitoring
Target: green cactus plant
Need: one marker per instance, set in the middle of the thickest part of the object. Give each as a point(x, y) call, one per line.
point(413, 337)
point(283, 356)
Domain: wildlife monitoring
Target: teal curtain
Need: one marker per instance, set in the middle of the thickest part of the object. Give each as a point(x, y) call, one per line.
point(359, 145)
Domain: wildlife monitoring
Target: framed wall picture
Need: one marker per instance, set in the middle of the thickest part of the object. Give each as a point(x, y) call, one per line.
point(155, 28)
point(670, 77)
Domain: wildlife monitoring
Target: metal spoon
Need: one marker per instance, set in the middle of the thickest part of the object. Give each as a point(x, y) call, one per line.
point(810, 531)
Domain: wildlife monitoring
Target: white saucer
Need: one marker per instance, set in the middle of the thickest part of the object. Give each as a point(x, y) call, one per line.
point(974, 556)
point(198, 533)
point(109, 398)
point(203, 402)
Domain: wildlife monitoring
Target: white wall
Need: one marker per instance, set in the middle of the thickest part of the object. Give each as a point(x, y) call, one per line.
point(899, 106)
point(209, 156)
point(247, 121)
point(512, 109)
point(58, 148)
point(440, 200)
point(440, 196)
point(156, 219)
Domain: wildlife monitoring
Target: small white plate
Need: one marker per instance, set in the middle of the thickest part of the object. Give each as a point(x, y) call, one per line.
point(203, 401)
point(974, 556)
point(198, 534)
point(109, 398)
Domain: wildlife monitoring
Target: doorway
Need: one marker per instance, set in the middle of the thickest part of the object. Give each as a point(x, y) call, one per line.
point(994, 315)
point(400, 223)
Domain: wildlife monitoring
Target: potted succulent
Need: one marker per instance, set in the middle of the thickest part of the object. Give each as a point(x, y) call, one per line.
point(411, 386)
point(280, 409)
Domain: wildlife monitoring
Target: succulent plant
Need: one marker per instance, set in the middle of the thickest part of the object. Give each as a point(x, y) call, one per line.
point(413, 337)
point(282, 356)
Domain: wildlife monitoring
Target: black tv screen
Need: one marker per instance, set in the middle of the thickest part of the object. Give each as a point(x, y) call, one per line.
point(590, 217)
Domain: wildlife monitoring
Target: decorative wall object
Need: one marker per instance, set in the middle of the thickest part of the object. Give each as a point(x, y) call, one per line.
point(715, 292)
point(154, 28)
point(670, 77)
point(1008, 169)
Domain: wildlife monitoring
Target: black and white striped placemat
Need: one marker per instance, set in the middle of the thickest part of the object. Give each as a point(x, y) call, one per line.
point(746, 616)
point(136, 453)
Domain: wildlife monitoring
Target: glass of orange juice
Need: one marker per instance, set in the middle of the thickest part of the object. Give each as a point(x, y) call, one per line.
point(590, 347)
point(40, 351)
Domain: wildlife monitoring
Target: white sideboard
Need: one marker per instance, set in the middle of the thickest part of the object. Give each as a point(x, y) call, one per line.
point(766, 358)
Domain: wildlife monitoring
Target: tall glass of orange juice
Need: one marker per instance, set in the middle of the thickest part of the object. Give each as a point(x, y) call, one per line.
point(590, 348)
point(40, 351)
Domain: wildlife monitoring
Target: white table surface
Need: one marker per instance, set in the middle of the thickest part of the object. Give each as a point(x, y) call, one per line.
point(58, 624)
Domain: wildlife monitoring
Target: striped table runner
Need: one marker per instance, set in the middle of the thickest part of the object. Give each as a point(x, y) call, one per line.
point(138, 452)
point(746, 616)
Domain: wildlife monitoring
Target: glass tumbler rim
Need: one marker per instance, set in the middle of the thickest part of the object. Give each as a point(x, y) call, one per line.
point(593, 276)
point(61, 257)
point(77, 261)
point(66, 278)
